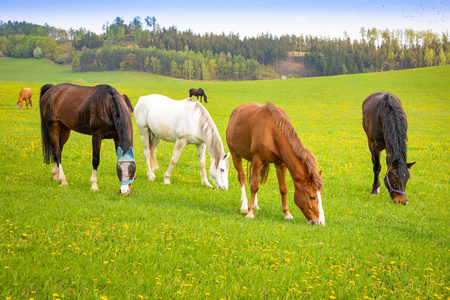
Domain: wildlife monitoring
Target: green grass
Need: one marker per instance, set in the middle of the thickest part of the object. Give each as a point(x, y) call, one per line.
point(187, 241)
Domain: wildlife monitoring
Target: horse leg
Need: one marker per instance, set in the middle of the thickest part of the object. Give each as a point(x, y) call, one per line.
point(145, 138)
point(254, 185)
point(376, 170)
point(96, 145)
point(154, 142)
point(281, 175)
point(237, 162)
point(179, 145)
point(54, 129)
point(201, 158)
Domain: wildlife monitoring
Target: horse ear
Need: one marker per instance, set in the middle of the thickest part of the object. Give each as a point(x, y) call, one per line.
point(320, 173)
point(226, 156)
point(119, 152)
point(410, 165)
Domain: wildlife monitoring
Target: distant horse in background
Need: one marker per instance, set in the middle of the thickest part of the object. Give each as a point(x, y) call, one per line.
point(198, 93)
point(181, 122)
point(385, 124)
point(264, 134)
point(128, 102)
point(99, 111)
point(25, 95)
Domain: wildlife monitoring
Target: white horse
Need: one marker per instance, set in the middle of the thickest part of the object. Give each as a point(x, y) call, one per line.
point(181, 122)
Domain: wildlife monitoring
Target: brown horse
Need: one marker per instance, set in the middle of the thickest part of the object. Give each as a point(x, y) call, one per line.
point(263, 135)
point(99, 111)
point(384, 122)
point(198, 93)
point(25, 94)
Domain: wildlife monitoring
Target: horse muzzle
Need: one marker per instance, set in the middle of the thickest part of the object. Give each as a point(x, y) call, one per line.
point(125, 189)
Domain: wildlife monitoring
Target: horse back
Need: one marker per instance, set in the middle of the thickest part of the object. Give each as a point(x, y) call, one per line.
point(375, 109)
point(77, 107)
point(249, 132)
point(168, 119)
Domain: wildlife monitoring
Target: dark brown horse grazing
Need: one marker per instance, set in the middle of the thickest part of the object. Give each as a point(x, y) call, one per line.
point(263, 135)
point(25, 95)
point(99, 111)
point(385, 124)
point(198, 93)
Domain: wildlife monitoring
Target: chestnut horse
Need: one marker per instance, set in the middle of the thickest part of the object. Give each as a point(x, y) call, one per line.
point(264, 134)
point(99, 111)
point(385, 124)
point(25, 95)
point(198, 93)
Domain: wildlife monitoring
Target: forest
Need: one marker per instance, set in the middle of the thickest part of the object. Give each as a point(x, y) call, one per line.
point(146, 47)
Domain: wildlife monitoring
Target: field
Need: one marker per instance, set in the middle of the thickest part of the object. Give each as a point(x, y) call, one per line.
point(188, 241)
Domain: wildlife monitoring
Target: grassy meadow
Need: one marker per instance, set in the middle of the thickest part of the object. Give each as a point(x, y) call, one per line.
point(188, 241)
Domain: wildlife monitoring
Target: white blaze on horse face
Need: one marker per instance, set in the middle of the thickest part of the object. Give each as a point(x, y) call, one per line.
point(125, 189)
point(321, 213)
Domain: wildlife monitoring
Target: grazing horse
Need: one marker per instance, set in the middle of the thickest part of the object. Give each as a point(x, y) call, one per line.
point(128, 102)
point(99, 111)
point(198, 93)
point(25, 94)
point(181, 122)
point(385, 124)
point(264, 134)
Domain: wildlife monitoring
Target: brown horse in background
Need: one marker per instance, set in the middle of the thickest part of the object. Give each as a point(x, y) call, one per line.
point(385, 124)
point(264, 134)
point(99, 111)
point(198, 93)
point(25, 94)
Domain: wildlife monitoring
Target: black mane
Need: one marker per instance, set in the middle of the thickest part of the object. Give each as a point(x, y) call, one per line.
point(119, 116)
point(394, 128)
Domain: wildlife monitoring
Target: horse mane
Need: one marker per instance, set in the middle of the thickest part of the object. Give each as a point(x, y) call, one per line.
point(210, 132)
point(303, 153)
point(118, 116)
point(394, 127)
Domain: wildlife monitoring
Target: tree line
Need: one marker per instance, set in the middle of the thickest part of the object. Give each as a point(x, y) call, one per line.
point(144, 46)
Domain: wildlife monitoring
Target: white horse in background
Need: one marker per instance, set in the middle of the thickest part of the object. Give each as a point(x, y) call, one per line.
point(181, 122)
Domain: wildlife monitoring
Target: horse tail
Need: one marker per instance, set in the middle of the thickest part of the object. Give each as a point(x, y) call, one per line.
point(47, 149)
point(263, 174)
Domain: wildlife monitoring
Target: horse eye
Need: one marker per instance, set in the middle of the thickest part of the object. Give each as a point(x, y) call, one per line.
point(222, 170)
point(312, 197)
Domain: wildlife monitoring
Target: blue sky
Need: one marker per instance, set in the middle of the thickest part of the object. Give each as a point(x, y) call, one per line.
point(246, 18)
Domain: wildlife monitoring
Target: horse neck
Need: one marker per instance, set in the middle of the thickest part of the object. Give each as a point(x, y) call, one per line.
point(213, 143)
point(395, 141)
point(295, 165)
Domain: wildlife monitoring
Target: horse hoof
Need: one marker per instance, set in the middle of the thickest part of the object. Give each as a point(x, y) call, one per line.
point(244, 210)
point(250, 216)
point(166, 181)
point(288, 217)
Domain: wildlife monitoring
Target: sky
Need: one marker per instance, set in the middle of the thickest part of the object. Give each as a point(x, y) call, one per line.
point(247, 18)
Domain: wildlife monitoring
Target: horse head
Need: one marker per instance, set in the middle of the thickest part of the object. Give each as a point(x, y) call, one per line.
point(19, 104)
point(395, 180)
point(126, 169)
point(308, 198)
point(219, 172)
